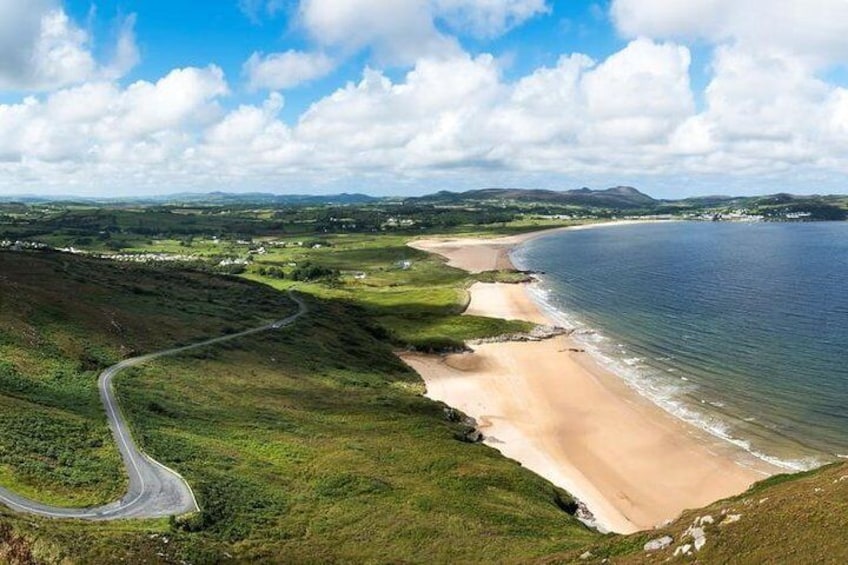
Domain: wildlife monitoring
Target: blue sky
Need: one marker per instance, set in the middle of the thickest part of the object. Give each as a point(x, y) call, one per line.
point(171, 35)
point(177, 33)
point(412, 96)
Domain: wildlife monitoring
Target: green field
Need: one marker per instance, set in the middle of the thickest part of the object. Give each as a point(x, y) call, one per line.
point(310, 444)
point(415, 298)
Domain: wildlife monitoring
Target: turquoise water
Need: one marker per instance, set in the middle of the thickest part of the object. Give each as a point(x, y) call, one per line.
point(741, 329)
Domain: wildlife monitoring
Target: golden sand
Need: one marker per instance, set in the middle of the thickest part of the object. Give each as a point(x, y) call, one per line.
point(548, 406)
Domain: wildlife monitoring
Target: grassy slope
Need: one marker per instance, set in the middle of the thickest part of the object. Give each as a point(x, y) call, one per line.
point(62, 320)
point(314, 445)
point(785, 519)
point(310, 444)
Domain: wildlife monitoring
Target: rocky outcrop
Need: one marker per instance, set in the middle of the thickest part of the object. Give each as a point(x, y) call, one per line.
point(539, 333)
point(468, 431)
point(659, 543)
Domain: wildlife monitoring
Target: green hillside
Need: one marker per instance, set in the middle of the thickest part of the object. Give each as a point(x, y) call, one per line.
point(791, 519)
point(311, 444)
point(65, 318)
point(314, 443)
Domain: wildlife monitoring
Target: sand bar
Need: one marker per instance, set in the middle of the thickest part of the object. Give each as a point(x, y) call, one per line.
point(550, 407)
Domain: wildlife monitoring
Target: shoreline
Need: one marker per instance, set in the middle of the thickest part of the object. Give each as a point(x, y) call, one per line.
point(554, 409)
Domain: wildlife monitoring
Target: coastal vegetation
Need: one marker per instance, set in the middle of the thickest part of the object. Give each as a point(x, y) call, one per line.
point(281, 436)
point(785, 519)
point(313, 443)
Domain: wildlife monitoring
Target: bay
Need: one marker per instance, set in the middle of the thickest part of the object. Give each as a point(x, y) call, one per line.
point(739, 328)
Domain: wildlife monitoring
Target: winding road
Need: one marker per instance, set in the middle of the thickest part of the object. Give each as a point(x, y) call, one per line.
point(154, 490)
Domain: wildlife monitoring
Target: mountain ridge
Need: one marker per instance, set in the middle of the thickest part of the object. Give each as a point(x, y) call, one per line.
point(615, 197)
point(620, 198)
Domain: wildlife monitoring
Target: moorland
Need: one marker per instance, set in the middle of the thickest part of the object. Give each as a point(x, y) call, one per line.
point(314, 443)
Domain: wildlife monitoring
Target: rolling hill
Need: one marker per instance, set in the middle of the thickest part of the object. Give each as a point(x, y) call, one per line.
point(621, 197)
point(311, 444)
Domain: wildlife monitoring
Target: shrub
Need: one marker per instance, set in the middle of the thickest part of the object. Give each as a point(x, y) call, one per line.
point(311, 272)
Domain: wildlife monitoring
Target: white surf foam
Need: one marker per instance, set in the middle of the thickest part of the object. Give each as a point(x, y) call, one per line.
point(668, 395)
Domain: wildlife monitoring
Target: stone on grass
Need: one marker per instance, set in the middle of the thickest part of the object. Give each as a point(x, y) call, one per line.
point(659, 543)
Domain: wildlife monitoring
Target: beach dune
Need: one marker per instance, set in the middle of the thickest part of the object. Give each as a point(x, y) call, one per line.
point(549, 406)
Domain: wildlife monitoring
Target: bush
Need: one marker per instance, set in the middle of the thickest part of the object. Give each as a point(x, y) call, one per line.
point(438, 345)
point(273, 272)
point(311, 272)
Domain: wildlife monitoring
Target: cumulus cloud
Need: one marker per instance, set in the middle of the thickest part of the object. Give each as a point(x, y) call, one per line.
point(396, 32)
point(42, 48)
point(446, 114)
point(639, 94)
point(280, 71)
point(425, 120)
point(451, 116)
point(402, 32)
point(812, 29)
point(766, 108)
point(145, 122)
point(764, 112)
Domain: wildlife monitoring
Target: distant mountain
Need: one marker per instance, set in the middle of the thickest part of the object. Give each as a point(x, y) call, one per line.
point(31, 199)
point(206, 198)
point(623, 197)
point(267, 198)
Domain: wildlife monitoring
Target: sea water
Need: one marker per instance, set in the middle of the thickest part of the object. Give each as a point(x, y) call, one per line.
point(738, 328)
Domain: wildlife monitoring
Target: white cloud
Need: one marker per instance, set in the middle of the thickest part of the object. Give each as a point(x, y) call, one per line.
point(255, 9)
point(126, 54)
point(812, 29)
point(759, 96)
point(146, 122)
point(766, 109)
point(248, 124)
point(396, 32)
point(450, 119)
point(660, 18)
point(399, 33)
point(639, 94)
point(764, 112)
point(453, 113)
point(42, 48)
point(581, 117)
point(281, 71)
point(543, 106)
point(426, 119)
point(487, 18)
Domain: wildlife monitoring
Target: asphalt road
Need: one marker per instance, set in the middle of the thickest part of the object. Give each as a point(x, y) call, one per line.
point(154, 490)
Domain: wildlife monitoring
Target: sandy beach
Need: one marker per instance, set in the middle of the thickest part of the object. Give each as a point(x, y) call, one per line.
point(549, 406)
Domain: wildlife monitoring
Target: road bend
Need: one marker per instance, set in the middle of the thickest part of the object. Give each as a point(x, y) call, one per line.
point(154, 490)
